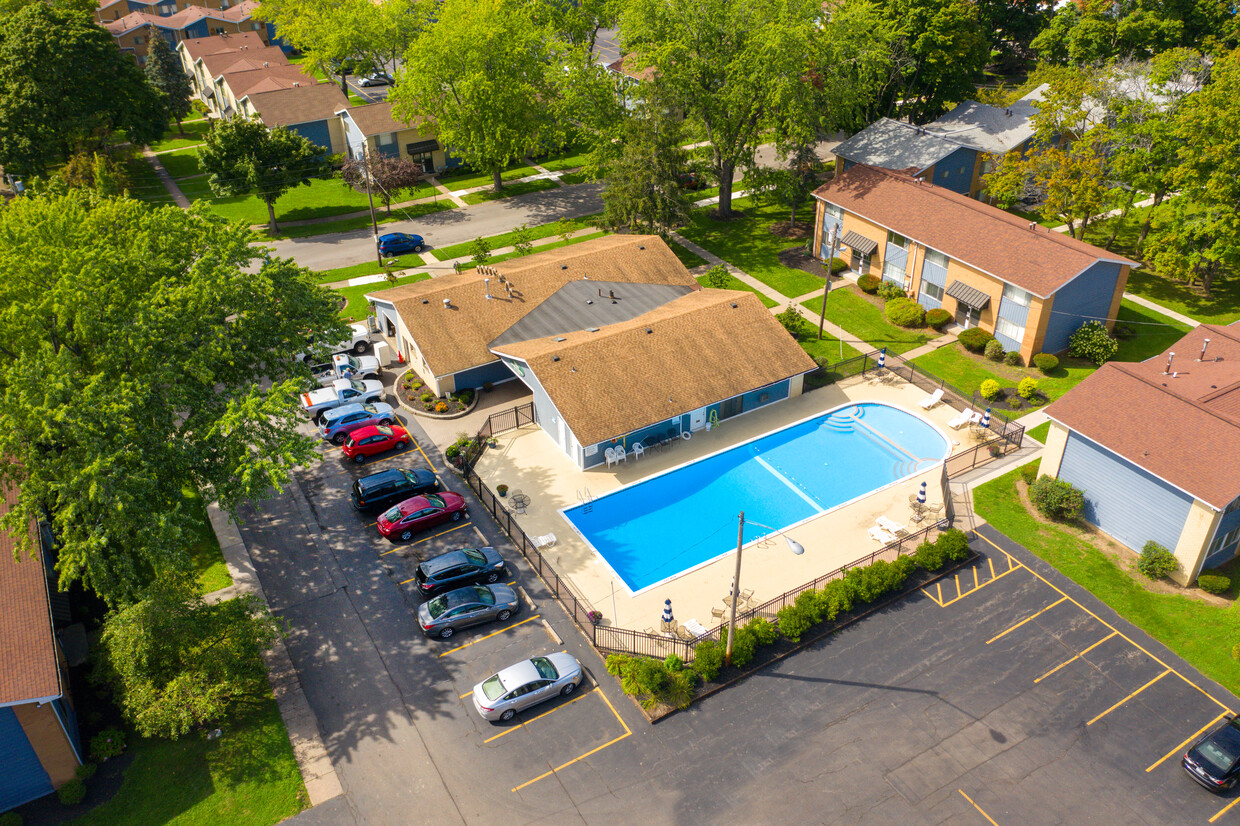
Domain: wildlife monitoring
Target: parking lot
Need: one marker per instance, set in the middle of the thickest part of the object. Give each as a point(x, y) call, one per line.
point(1003, 694)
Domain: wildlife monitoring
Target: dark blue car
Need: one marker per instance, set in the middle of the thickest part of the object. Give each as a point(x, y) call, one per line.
point(396, 243)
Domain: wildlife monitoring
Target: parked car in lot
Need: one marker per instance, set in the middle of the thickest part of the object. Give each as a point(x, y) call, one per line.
point(376, 79)
point(395, 243)
point(358, 342)
point(1214, 761)
point(381, 490)
point(335, 425)
point(527, 683)
point(345, 366)
point(341, 391)
point(375, 439)
point(471, 605)
point(420, 513)
point(453, 569)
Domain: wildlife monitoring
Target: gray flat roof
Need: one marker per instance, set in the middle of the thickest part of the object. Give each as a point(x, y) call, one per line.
point(894, 145)
point(580, 305)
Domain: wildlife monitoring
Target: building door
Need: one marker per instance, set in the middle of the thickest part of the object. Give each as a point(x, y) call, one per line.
point(697, 419)
point(731, 407)
point(859, 263)
point(964, 315)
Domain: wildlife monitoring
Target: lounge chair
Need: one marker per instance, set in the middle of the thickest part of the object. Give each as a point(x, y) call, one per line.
point(638, 450)
point(888, 524)
point(933, 399)
point(696, 629)
point(975, 417)
point(545, 541)
point(882, 535)
point(960, 419)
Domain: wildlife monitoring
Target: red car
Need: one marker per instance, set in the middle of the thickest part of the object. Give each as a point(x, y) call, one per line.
point(420, 513)
point(373, 440)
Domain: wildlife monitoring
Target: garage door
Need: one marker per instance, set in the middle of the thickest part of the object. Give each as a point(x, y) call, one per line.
point(1127, 502)
point(22, 777)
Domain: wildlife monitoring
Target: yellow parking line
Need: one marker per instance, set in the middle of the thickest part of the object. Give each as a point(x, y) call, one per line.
point(1129, 697)
point(427, 539)
point(1017, 567)
point(524, 723)
point(424, 456)
point(492, 634)
point(1077, 657)
point(991, 562)
point(1022, 622)
point(975, 582)
point(958, 586)
point(1194, 736)
point(466, 694)
point(627, 732)
point(940, 587)
point(1223, 810)
point(975, 806)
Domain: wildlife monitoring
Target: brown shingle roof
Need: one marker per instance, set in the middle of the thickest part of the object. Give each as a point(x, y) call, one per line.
point(970, 231)
point(701, 348)
point(302, 104)
point(1185, 430)
point(221, 43)
point(455, 339)
point(238, 60)
point(376, 119)
point(131, 21)
point(266, 79)
point(27, 648)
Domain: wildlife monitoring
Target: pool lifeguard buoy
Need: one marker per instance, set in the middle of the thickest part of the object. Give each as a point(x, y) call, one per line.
point(686, 435)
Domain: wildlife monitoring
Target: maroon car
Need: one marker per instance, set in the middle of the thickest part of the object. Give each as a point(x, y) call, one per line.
point(420, 513)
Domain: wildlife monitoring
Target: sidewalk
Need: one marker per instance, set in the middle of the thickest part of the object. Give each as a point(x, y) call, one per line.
point(1158, 308)
point(1108, 214)
point(178, 196)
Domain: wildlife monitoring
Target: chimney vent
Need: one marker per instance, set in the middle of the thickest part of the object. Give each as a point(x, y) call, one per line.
point(649, 331)
point(1032, 224)
point(487, 282)
point(591, 329)
point(425, 301)
point(447, 302)
point(559, 338)
point(1170, 358)
point(1204, 345)
point(555, 358)
point(564, 266)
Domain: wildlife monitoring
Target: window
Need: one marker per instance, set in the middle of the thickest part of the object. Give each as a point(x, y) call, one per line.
point(935, 291)
point(897, 240)
point(1224, 541)
point(935, 258)
point(1016, 295)
point(387, 139)
point(1010, 329)
point(1235, 503)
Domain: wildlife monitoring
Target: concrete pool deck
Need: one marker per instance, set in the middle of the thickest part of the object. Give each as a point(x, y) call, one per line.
point(528, 460)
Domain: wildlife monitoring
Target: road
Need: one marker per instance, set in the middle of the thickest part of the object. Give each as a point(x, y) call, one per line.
point(452, 226)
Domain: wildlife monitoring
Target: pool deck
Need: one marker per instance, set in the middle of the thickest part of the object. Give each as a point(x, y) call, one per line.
point(528, 460)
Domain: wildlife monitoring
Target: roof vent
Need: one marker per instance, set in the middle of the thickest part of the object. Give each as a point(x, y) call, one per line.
point(641, 246)
point(1204, 345)
point(1170, 358)
point(487, 283)
point(733, 305)
point(1032, 224)
point(559, 338)
point(555, 358)
point(564, 266)
point(649, 331)
point(447, 302)
point(425, 301)
point(589, 300)
point(591, 329)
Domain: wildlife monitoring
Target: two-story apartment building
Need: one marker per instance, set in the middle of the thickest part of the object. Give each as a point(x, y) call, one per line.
point(133, 31)
point(374, 127)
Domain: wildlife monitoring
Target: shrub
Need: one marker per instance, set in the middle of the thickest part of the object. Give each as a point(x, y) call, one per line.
point(650, 680)
point(427, 397)
point(974, 339)
point(795, 323)
point(890, 290)
point(1056, 499)
point(1156, 561)
point(1027, 387)
point(673, 663)
point(201, 108)
point(465, 397)
point(838, 265)
point(868, 283)
point(718, 277)
point(990, 389)
point(86, 771)
point(441, 407)
point(1092, 341)
point(1214, 583)
point(708, 659)
point(1013, 359)
point(1045, 362)
point(794, 621)
point(764, 632)
point(1029, 472)
point(953, 544)
point(744, 643)
point(452, 451)
point(994, 350)
point(937, 318)
point(106, 744)
point(928, 556)
point(905, 313)
point(13, 818)
point(72, 792)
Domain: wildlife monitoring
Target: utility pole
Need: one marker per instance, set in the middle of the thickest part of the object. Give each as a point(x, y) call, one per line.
point(833, 237)
point(374, 225)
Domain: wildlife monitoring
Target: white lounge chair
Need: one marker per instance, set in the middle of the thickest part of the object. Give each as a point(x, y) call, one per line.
point(545, 541)
point(638, 450)
point(960, 419)
point(882, 535)
point(975, 417)
point(888, 524)
point(933, 399)
point(621, 456)
point(696, 628)
point(610, 455)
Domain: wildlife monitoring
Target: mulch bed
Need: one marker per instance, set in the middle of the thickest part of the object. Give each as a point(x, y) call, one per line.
point(797, 231)
point(411, 390)
point(1010, 399)
point(794, 258)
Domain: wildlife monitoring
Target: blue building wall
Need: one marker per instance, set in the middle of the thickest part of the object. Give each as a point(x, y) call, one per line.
point(1086, 296)
point(895, 257)
point(1015, 313)
point(22, 776)
point(1126, 501)
point(931, 273)
point(198, 28)
point(495, 372)
point(278, 41)
point(948, 174)
point(1226, 525)
point(316, 132)
point(390, 149)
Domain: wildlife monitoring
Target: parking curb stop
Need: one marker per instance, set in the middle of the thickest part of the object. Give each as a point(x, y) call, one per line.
point(551, 633)
point(533, 605)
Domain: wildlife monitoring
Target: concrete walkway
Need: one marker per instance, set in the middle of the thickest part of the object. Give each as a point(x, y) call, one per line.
point(1108, 214)
point(1158, 308)
point(178, 196)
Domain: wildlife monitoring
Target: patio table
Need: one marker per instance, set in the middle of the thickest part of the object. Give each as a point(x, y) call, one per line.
point(520, 501)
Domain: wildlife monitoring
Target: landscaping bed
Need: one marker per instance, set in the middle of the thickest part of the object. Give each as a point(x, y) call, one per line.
point(413, 394)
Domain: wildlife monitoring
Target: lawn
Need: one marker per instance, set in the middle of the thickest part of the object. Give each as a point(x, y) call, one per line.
point(1222, 307)
point(1201, 633)
point(1152, 332)
point(358, 306)
point(172, 139)
point(735, 283)
point(507, 239)
point(574, 158)
point(576, 239)
point(689, 259)
point(1049, 223)
point(468, 179)
point(511, 191)
point(144, 183)
point(570, 178)
point(247, 777)
point(361, 221)
point(323, 197)
point(403, 262)
point(205, 548)
point(182, 163)
point(1040, 432)
point(847, 308)
point(746, 242)
point(829, 350)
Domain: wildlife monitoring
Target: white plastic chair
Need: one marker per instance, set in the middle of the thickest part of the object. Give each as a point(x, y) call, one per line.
point(889, 524)
point(638, 450)
point(882, 535)
point(610, 455)
point(621, 456)
point(933, 399)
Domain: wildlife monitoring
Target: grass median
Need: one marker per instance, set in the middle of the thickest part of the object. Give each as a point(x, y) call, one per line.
point(847, 308)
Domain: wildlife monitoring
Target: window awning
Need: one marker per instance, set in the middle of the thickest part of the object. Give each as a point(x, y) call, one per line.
point(969, 296)
point(859, 243)
point(421, 147)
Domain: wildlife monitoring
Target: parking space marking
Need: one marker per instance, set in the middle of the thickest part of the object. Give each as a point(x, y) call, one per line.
point(524, 723)
point(424, 456)
point(492, 634)
point(961, 593)
point(1129, 697)
point(466, 694)
point(979, 808)
point(1077, 657)
point(1194, 736)
point(1224, 810)
point(1029, 619)
point(627, 733)
point(427, 539)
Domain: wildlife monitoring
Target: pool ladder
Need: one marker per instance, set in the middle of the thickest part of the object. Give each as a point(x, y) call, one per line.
point(586, 499)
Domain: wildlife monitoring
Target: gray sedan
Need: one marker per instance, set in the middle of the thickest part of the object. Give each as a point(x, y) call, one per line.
point(444, 614)
point(527, 683)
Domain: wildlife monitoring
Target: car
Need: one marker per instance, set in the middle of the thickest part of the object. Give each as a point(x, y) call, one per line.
point(527, 683)
point(1214, 761)
point(376, 79)
point(345, 366)
point(453, 569)
point(691, 181)
point(463, 607)
point(419, 513)
point(379, 491)
point(336, 425)
point(373, 440)
point(342, 391)
point(395, 243)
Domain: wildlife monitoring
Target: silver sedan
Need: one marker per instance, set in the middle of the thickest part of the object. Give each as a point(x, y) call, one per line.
point(467, 606)
point(527, 683)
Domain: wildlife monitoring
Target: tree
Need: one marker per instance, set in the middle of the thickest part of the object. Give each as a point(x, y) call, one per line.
point(576, 23)
point(243, 156)
point(790, 185)
point(1100, 30)
point(164, 72)
point(852, 63)
point(479, 75)
point(389, 174)
point(942, 50)
point(177, 663)
point(104, 174)
point(644, 191)
point(114, 404)
point(64, 87)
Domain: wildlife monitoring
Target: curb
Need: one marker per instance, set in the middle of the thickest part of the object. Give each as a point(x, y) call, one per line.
point(432, 416)
point(317, 772)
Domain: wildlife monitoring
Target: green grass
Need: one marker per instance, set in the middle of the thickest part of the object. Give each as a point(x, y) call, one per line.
point(248, 777)
point(572, 160)
point(1221, 307)
point(1040, 432)
point(849, 309)
point(829, 350)
point(361, 221)
point(144, 183)
point(511, 191)
point(735, 283)
point(1201, 633)
point(507, 239)
point(576, 239)
point(1049, 223)
point(182, 163)
point(403, 262)
point(318, 73)
point(172, 139)
point(570, 178)
point(322, 198)
point(205, 548)
point(746, 242)
point(468, 180)
point(358, 306)
point(1153, 332)
point(689, 259)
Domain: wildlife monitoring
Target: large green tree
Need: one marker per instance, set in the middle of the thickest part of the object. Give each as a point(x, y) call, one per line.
point(243, 157)
point(644, 191)
point(64, 86)
point(133, 341)
point(481, 76)
point(1099, 30)
point(165, 73)
point(941, 50)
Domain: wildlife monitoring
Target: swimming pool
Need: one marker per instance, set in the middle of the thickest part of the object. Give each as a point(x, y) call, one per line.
point(666, 525)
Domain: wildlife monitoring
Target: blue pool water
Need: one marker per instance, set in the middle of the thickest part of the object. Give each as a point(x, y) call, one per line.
point(658, 528)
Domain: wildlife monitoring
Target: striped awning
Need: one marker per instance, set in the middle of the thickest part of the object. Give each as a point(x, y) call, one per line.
point(859, 243)
point(969, 296)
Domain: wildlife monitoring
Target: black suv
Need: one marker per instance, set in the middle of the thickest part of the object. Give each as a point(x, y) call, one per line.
point(1214, 761)
point(456, 568)
point(381, 490)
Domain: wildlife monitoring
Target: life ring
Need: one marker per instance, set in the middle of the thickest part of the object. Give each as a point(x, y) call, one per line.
point(686, 435)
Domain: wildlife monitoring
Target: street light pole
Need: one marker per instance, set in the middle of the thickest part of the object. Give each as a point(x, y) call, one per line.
point(373, 224)
point(822, 318)
point(796, 547)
